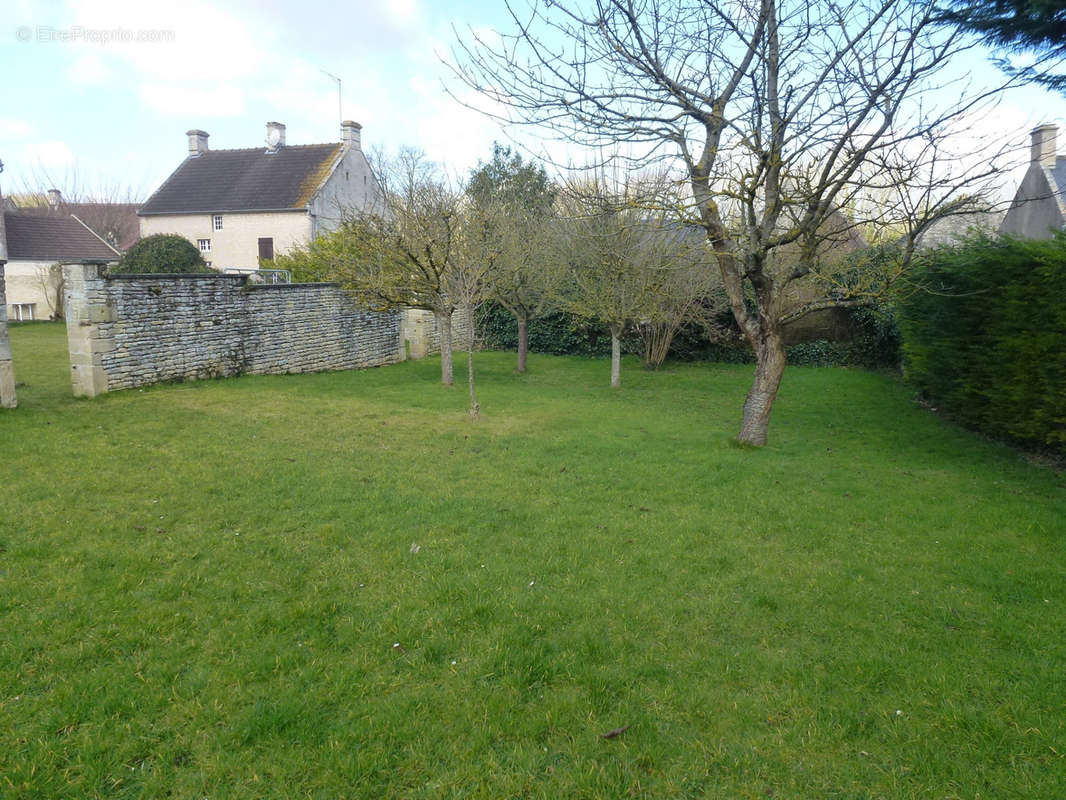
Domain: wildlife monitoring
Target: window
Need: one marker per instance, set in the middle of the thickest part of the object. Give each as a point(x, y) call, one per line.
point(23, 312)
point(216, 221)
point(266, 249)
point(205, 245)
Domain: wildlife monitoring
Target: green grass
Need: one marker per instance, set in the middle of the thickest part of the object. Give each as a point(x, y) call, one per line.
point(201, 585)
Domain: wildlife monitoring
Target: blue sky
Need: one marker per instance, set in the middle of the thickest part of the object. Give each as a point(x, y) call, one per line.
point(102, 113)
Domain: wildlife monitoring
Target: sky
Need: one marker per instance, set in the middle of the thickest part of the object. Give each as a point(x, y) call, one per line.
point(98, 95)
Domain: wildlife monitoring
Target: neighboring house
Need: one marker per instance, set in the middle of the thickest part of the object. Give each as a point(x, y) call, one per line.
point(953, 228)
point(1037, 210)
point(115, 223)
point(36, 244)
point(243, 207)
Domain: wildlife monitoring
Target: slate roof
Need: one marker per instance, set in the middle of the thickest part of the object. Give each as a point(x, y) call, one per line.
point(245, 180)
point(39, 237)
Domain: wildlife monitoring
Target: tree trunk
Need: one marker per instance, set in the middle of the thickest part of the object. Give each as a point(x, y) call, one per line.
point(444, 326)
point(475, 409)
point(616, 356)
point(769, 367)
point(523, 343)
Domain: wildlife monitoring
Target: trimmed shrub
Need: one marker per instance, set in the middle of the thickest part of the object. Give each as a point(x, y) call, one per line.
point(876, 344)
point(984, 336)
point(557, 334)
point(164, 253)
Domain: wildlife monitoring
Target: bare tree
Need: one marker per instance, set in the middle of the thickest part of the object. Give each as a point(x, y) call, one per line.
point(520, 196)
point(618, 261)
point(49, 281)
point(488, 237)
point(776, 114)
point(109, 210)
point(401, 255)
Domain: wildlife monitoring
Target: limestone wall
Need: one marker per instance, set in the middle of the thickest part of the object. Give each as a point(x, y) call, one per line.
point(134, 330)
point(422, 334)
point(7, 374)
point(236, 245)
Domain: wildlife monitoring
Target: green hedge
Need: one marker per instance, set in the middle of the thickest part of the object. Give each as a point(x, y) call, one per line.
point(984, 334)
point(163, 253)
point(876, 345)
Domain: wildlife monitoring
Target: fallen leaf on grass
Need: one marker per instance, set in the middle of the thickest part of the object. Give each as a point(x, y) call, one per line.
point(615, 733)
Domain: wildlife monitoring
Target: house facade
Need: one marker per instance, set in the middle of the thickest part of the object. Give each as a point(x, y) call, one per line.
point(1038, 210)
point(36, 245)
point(243, 207)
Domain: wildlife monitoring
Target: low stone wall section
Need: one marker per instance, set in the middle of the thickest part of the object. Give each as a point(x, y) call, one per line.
point(7, 374)
point(133, 330)
point(422, 333)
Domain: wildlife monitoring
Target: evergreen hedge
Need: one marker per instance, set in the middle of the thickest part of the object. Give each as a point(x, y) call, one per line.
point(984, 336)
point(876, 345)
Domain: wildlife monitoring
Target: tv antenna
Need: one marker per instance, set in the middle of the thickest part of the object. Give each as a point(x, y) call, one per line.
point(340, 113)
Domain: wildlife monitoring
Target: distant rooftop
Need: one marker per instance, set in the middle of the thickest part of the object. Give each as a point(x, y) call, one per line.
point(250, 179)
point(45, 237)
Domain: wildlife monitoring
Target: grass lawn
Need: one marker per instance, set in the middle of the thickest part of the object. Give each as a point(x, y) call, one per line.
point(202, 587)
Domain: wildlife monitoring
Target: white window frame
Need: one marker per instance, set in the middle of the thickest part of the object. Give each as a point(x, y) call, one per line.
point(204, 245)
point(216, 222)
point(19, 312)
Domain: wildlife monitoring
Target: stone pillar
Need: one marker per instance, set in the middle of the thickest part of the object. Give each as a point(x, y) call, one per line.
point(401, 342)
point(418, 331)
point(7, 372)
point(90, 327)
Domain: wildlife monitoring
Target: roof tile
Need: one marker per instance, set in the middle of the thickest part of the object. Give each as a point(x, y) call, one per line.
point(244, 180)
point(40, 237)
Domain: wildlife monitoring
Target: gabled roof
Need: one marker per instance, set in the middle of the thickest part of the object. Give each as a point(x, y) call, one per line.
point(41, 237)
point(245, 180)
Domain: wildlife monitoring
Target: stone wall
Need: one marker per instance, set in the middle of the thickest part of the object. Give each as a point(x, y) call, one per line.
point(7, 373)
point(422, 334)
point(133, 330)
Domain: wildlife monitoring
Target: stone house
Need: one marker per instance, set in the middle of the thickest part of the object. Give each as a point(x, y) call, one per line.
point(1038, 208)
point(243, 207)
point(36, 245)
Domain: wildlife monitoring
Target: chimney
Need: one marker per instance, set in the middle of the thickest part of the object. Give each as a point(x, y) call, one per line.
point(55, 197)
point(350, 135)
point(1043, 147)
point(197, 142)
point(275, 136)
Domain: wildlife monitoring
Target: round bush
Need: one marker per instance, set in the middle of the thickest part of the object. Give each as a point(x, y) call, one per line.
point(163, 253)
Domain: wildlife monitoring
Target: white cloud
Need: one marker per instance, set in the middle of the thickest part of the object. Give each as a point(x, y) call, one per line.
point(219, 101)
point(90, 70)
point(49, 155)
point(403, 11)
point(16, 128)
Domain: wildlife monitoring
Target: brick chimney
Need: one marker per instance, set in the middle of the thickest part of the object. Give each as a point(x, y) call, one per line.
point(275, 136)
point(1043, 147)
point(197, 142)
point(350, 135)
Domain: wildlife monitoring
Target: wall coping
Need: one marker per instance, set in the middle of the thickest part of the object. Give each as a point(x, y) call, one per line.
point(169, 276)
point(256, 287)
